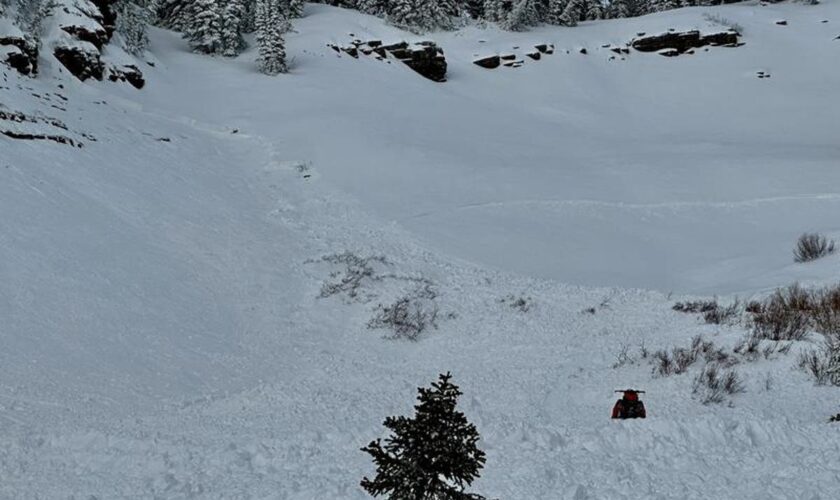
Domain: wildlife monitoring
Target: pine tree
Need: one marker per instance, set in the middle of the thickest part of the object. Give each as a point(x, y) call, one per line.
point(496, 10)
point(295, 9)
point(233, 17)
point(204, 27)
point(619, 9)
point(418, 15)
point(523, 15)
point(594, 10)
point(271, 24)
point(663, 5)
point(132, 20)
point(574, 12)
point(431, 456)
point(372, 7)
point(556, 8)
point(174, 14)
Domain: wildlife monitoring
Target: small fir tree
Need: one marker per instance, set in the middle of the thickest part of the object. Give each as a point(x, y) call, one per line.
point(233, 18)
point(556, 8)
point(523, 15)
point(271, 24)
point(132, 21)
point(432, 456)
point(204, 27)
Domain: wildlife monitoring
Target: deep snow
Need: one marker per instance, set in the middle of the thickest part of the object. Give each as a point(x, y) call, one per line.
point(159, 288)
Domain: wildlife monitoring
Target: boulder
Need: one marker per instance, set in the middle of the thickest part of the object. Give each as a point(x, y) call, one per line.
point(534, 55)
point(127, 73)
point(781, 22)
point(720, 38)
point(97, 36)
point(678, 41)
point(428, 60)
point(19, 53)
point(81, 60)
point(490, 62)
point(682, 42)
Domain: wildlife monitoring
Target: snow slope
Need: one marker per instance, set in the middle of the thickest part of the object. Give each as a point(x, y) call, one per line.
point(159, 287)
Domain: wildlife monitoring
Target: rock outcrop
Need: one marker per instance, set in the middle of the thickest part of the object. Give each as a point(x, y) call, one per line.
point(20, 53)
point(127, 73)
point(426, 58)
point(682, 42)
point(81, 59)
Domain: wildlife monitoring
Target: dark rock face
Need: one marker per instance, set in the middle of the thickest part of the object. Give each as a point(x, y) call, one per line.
point(682, 42)
point(97, 37)
point(25, 59)
point(428, 60)
point(127, 73)
point(720, 38)
point(81, 63)
point(678, 41)
point(490, 62)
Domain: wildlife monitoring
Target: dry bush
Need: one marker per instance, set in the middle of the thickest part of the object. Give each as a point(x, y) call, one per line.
point(720, 315)
point(697, 306)
point(826, 310)
point(812, 246)
point(680, 359)
point(410, 315)
point(824, 363)
point(350, 281)
point(714, 384)
point(785, 315)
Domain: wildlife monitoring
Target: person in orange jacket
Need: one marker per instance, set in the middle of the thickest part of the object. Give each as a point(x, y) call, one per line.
point(629, 406)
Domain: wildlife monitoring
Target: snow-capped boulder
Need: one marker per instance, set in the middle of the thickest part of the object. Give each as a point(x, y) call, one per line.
point(16, 50)
point(82, 59)
point(684, 41)
point(127, 73)
point(427, 59)
point(490, 62)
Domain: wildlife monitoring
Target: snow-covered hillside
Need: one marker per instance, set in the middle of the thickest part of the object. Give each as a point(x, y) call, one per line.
point(167, 323)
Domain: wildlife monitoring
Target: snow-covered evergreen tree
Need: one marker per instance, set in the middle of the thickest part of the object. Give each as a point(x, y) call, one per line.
point(271, 23)
point(594, 10)
point(174, 14)
point(523, 15)
point(573, 12)
point(431, 456)
point(418, 15)
point(663, 5)
point(497, 10)
point(133, 19)
point(619, 9)
point(295, 8)
point(556, 8)
point(204, 26)
point(233, 17)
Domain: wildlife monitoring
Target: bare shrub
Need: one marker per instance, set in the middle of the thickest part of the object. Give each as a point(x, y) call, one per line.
point(812, 246)
point(663, 365)
point(825, 310)
point(823, 364)
point(407, 318)
point(680, 359)
point(697, 306)
point(714, 384)
point(722, 315)
point(520, 303)
point(355, 273)
point(722, 21)
point(748, 347)
point(784, 316)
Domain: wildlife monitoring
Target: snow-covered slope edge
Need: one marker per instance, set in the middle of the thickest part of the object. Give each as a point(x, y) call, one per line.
point(164, 337)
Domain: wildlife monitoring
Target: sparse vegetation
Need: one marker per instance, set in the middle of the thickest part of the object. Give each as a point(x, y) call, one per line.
point(722, 21)
point(823, 363)
point(408, 316)
point(812, 246)
point(713, 313)
point(357, 271)
point(785, 315)
point(521, 303)
point(679, 359)
point(714, 384)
